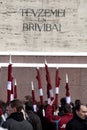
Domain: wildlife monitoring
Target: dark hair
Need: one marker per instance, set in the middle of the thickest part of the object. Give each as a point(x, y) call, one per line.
point(63, 100)
point(29, 98)
point(77, 104)
point(28, 106)
point(17, 104)
point(67, 108)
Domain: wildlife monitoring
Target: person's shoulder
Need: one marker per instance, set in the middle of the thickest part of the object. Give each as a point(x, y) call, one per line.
point(7, 122)
point(71, 121)
point(1, 128)
point(27, 123)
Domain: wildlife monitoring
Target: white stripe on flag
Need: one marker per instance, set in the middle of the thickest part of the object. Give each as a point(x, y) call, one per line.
point(40, 92)
point(35, 108)
point(68, 99)
point(57, 90)
point(9, 85)
point(12, 97)
point(49, 100)
point(51, 93)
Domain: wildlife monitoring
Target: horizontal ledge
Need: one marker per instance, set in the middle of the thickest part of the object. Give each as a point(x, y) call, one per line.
point(44, 53)
point(33, 65)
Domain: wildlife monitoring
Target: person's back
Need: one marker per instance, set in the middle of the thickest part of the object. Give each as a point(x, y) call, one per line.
point(33, 117)
point(16, 120)
point(67, 116)
point(62, 119)
point(13, 124)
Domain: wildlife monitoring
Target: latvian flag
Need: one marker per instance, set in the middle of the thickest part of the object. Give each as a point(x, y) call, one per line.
point(57, 84)
point(49, 86)
point(40, 90)
point(9, 84)
point(33, 97)
point(68, 99)
point(15, 89)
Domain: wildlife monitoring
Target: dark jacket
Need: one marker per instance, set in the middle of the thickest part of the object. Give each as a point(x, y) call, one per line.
point(76, 124)
point(35, 120)
point(16, 121)
point(1, 120)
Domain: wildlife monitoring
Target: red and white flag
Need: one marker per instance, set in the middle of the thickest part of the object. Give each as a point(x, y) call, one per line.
point(33, 96)
point(68, 98)
point(40, 90)
point(12, 90)
point(9, 84)
point(49, 86)
point(57, 84)
point(15, 89)
point(40, 87)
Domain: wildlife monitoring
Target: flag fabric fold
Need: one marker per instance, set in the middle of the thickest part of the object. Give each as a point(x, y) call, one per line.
point(33, 97)
point(40, 90)
point(9, 84)
point(40, 87)
point(15, 89)
point(68, 98)
point(57, 84)
point(49, 86)
point(12, 90)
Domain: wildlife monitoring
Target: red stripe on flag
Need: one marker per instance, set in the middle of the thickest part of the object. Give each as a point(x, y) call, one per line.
point(49, 86)
point(57, 84)
point(40, 87)
point(15, 90)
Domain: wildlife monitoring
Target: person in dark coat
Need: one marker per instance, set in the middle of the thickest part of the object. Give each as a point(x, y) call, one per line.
point(2, 118)
point(79, 121)
point(32, 116)
point(16, 120)
point(61, 107)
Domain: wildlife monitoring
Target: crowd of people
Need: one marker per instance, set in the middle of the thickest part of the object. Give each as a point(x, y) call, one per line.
point(20, 115)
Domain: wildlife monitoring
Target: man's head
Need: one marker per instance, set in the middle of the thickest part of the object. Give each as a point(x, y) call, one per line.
point(81, 111)
point(63, 101)
point(15, 106)
point(28, 106)
point(28, 98)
